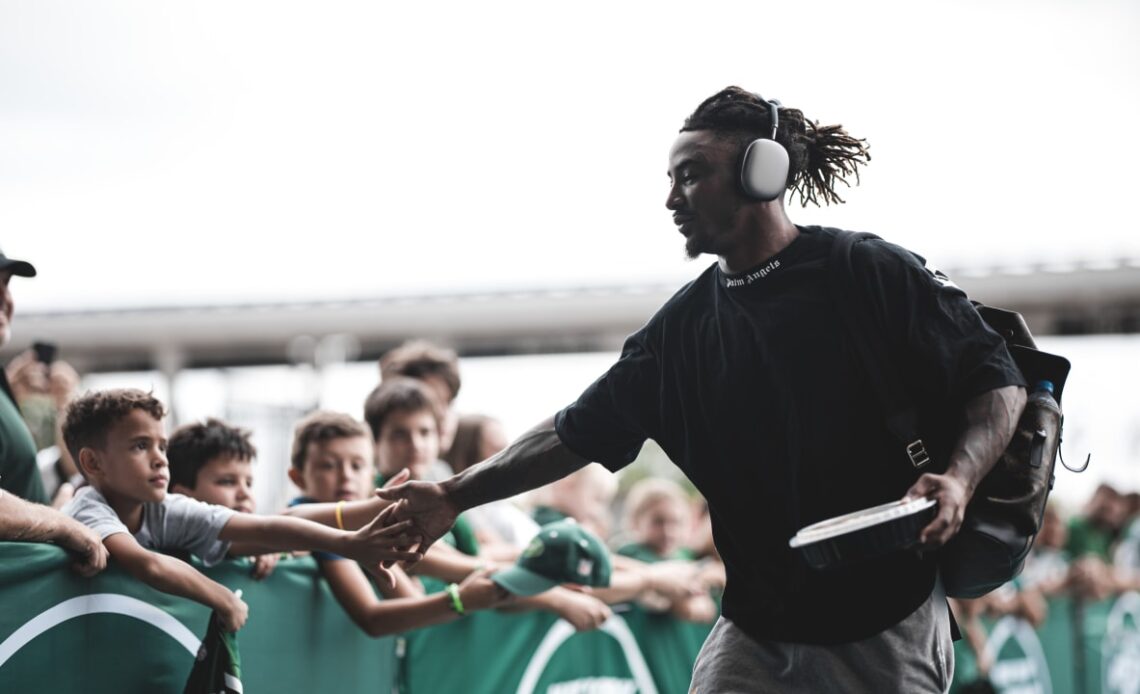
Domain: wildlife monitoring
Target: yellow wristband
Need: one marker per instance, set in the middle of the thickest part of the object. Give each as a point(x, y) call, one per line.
point(456, 604)
point(340, 514)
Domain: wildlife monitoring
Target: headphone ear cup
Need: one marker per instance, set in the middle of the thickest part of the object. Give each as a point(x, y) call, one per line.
point(764, 170)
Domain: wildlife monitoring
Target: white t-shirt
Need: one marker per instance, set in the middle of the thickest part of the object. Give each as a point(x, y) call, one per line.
point(178, 523)
point(506, 520)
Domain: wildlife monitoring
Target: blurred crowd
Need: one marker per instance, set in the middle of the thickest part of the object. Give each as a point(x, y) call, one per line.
point(1091, 554)
point(657, 530)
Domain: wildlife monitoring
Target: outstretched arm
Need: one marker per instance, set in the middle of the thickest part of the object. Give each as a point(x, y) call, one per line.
point(399, 614)
point(536, 458)
point(378, 541)
point(353, 514)
point(991, 419)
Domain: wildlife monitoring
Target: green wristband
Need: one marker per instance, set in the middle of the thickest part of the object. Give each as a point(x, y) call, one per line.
point(456, 603)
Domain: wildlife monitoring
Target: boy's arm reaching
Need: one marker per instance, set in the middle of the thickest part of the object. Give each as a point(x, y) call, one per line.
point(536, 458)
point(176, 577)
point(353, 514)
point(372, 544)
point(381, 617)
point(446, 563)
point(583, 611)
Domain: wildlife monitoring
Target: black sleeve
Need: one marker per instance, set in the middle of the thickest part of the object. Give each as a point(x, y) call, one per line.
point(946, 350)
point(614, 416)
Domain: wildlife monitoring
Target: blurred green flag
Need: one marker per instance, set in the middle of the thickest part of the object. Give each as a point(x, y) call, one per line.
point(217, 669)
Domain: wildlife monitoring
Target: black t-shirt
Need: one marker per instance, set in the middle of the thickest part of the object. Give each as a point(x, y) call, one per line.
point(752, 387)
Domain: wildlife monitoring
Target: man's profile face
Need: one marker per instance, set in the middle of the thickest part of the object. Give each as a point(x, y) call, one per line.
point(6, 308)
point(704, 194)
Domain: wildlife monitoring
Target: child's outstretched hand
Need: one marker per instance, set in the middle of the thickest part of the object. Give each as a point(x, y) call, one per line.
point(584, 612)
point(699, 608)
point(675, 580)
point(398, 478)
point(478, 591)
point(385, 540)
point(263, 565)
point(234, 612)
point(427, 504)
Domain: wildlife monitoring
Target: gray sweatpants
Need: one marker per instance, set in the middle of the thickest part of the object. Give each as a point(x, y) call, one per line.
point(915, 656)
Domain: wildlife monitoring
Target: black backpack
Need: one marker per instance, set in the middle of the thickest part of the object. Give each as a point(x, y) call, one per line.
point(1006, 511)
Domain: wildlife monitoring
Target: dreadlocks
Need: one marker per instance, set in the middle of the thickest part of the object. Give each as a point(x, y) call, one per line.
point(819, 155)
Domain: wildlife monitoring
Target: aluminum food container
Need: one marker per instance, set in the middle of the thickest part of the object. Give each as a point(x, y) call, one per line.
point(865, 534)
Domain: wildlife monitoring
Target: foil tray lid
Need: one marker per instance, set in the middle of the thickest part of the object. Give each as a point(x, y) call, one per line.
point(859, 520)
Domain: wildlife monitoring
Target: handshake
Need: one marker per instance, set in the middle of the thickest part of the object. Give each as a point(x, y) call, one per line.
point(398, 525)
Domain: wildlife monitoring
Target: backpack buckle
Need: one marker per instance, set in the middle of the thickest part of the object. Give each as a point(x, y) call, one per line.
point(916, 451)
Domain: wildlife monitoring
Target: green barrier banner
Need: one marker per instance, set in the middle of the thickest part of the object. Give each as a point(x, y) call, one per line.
point(494, 653)
point(1112, 645)
point(670, 647)
point(63, 633)
point(1019, 663)
point(1082, 648)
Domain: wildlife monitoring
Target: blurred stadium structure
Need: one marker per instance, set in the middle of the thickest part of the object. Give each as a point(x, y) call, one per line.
point(1055, 300)
point(263, 366)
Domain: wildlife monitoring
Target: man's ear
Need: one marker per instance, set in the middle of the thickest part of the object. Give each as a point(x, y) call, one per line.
point(89, 463)
point(179, 488)
point(297, 478)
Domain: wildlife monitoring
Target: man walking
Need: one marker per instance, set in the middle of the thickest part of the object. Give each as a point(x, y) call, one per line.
point(747, 380)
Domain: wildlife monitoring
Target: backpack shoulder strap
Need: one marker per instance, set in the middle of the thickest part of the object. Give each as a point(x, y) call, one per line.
point(869, 342)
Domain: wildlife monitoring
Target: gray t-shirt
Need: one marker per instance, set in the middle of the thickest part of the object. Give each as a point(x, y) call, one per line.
point(178, 523)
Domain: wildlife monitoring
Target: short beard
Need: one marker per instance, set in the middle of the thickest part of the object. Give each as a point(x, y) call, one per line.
point(694, 246)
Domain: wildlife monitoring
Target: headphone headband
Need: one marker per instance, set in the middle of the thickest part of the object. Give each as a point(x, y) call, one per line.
point(773, 112)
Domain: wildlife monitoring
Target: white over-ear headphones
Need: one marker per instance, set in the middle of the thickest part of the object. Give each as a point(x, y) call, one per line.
point(764, 169)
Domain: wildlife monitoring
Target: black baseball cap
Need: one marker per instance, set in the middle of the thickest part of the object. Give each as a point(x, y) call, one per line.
point(17, 267)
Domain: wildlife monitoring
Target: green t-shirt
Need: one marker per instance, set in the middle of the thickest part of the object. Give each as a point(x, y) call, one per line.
point(1086, 538)
point(18, 471)
point(464, 536)
point(646, 554)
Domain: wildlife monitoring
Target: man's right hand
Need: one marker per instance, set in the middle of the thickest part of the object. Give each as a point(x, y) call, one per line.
point(427, 506)
point(89, 555)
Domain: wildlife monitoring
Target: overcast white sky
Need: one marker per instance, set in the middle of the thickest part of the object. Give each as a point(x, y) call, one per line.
point(158, 152)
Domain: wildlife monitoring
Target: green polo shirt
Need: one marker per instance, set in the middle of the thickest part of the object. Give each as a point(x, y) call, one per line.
point(18, 471)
